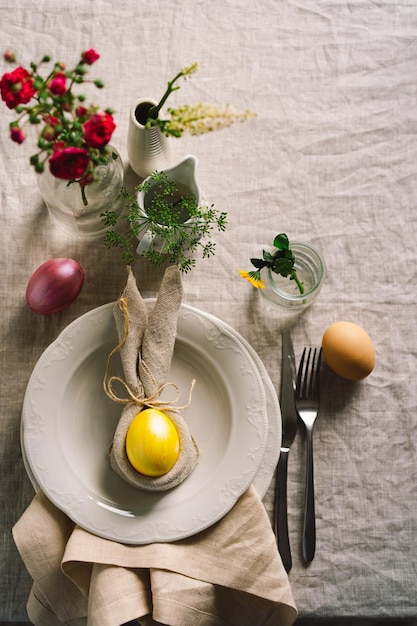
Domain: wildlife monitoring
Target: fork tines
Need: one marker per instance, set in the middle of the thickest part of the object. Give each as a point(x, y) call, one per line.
point(308, 378)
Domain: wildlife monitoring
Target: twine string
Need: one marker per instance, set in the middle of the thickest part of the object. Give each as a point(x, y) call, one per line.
point(153, 401)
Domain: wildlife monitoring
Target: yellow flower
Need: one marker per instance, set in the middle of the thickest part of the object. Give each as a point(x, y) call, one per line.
point(254, 278)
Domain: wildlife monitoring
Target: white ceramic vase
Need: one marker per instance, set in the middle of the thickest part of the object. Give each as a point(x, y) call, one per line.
point(149, 150)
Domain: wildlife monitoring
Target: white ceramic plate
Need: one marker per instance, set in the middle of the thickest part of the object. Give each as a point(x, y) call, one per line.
point(270, 458)
point(68, 424)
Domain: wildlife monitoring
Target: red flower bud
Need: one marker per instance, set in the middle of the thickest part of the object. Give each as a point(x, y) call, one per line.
point(50, 120)
point(58, 84)
point(80, 111)
point(48, 133)
point(90, 56)
point(10, 56)
point(16, 134)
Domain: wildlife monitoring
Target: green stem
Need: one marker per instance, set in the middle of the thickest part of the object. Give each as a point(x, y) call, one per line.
point(298, 283)
point(83, 195)
point(154, 111)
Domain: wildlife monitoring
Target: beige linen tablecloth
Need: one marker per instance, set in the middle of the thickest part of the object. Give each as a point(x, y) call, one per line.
point(230, 574)
point(330, 159)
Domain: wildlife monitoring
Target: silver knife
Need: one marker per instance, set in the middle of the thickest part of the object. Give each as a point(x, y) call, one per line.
point(289, 429)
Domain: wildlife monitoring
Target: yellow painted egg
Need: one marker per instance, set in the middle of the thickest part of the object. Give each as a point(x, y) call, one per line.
point(348, 350)
point(152, 443)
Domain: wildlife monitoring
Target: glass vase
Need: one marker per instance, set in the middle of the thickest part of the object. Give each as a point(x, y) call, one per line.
point(66, 204)
point(282, 292)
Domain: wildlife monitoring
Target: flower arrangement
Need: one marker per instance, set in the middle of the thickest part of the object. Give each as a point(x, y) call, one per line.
point(280, 261)
point(71, 137)
point(197, 119)
point(174, 219)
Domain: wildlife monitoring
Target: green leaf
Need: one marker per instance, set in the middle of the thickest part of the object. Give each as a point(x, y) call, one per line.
point(267, 256)
point(258, 263)
point(128, 257)
point(281, 242)
point(283, 266)
point(112, 239)
point(110, 218)
point(209, 249)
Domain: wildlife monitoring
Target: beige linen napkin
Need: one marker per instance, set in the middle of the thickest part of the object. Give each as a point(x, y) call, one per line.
point(228, 575)
point(146, 348)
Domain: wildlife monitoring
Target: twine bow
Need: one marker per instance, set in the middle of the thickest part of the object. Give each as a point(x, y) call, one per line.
point(151, 401)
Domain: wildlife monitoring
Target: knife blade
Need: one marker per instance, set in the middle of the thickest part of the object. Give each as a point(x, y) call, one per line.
point(289, 428)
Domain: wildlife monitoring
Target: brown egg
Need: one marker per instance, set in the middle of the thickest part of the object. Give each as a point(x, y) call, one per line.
point(348, 350)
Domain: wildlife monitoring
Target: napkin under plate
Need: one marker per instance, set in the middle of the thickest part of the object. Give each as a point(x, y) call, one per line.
point(229, 574)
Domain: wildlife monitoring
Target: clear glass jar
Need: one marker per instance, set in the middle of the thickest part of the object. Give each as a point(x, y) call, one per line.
point(65, 202)
point(282, 292)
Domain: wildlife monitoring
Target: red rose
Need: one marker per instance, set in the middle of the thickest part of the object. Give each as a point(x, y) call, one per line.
point(17, 87)
point(16, 134)
point(98, 130)
point(58, 84)
point(90, 56)
point(68, 162)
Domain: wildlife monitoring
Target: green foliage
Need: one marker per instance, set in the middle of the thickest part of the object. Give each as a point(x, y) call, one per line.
point(176, 221)
point(280, 261)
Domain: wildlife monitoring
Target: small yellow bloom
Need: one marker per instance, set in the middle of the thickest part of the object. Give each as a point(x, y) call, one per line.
point(253, 278)
point(187, 71)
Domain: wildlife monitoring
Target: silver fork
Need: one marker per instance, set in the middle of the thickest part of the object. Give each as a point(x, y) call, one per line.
point(307, 403)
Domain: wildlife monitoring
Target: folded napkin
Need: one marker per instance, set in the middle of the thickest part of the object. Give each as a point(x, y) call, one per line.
point(228, 575)
point(146, 346)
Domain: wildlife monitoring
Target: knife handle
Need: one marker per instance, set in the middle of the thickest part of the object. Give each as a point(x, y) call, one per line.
point(281, 517)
